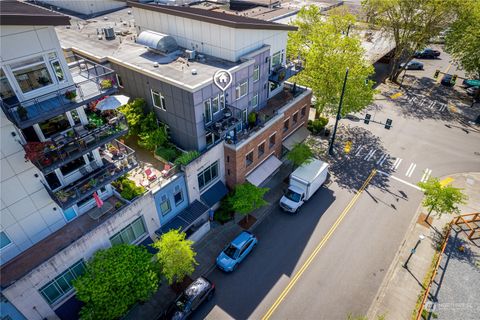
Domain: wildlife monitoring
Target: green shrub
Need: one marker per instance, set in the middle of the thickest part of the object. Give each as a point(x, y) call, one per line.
point(225, 212)
point(127, 188)
point(188, 157)
point(167, 153)
point(316, 126)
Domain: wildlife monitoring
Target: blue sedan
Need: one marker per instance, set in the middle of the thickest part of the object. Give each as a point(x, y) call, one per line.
point(236, 251)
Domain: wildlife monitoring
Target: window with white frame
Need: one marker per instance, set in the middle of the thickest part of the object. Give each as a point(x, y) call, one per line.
point(32, 74)
point(178, 195)
point(249, 158)
point(286, 124)
point(61, 286)
point(207, 176)
point(256, 73)
point(158, 100)
point(57, 69)
point(255, 101)
point(276, 59)
point(271, 141)
point(222, 101)
point(261, 149)
point(119, 80)
point(130, 234)
point(165, 205)
point(4, 240)
point(207, 109)
point(215, 104)
point(241, 90)
point(210, 139)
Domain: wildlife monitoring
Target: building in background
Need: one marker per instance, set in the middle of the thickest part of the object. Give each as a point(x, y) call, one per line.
point(82, 7)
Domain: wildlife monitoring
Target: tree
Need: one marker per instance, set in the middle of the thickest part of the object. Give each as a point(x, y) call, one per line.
point(462, 40)
point(247, 198)
point(327, 53)
point(411, 24)
point(114, 280)
point(175, 256)
point(150, 140)
point(134, 114)
point(442, 199)
point(300, 154)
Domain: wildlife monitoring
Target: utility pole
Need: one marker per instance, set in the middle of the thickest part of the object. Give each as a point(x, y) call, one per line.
point(339, 113)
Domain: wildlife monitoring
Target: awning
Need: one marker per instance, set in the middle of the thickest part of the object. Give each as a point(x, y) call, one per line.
point(263, 171)
point(184, 219)
point(214, 194)
point(298, 136)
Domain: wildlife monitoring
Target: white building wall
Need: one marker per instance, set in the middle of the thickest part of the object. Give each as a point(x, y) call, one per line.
point(24, 293)
point(212, 39)
point(87, 6)
point(200, 164)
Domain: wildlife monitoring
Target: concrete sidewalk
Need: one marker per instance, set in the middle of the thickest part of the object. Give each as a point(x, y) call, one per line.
point(398, 294)
point(209, 247)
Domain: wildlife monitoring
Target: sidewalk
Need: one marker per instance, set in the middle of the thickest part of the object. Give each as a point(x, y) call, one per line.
point(398, 294)
point(209, 247)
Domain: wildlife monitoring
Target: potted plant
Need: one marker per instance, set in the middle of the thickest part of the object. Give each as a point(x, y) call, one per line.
point(252, 119)
point(93, 182)
point(106, 84)
point(118, 205)
point(70, 94)
point(62, 195)
point(22, 112)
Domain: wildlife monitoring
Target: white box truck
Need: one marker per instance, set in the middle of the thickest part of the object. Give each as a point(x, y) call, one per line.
point(304, 182)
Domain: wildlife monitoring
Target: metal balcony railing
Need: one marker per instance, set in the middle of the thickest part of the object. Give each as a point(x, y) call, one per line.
point(282, 73)
point(81, 139)
point(92, 81)
point(118, 160)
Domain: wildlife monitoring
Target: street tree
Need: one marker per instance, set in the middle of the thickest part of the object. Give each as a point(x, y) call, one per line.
point(322, 43)
point(410, 23)
point(300, 154)
point(462, 40)
point(175, 256)
point(115, 279)
point(441, 199)
point(247, 198)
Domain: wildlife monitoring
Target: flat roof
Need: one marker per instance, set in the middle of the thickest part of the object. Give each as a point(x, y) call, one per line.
point(236, 21)
point(15, 13)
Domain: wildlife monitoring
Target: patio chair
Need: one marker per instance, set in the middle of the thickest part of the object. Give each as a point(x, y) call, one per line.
point(150, 175)
point(166, 169)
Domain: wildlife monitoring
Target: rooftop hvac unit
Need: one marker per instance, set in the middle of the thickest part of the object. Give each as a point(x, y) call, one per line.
point(109, 33)
point(190, 54)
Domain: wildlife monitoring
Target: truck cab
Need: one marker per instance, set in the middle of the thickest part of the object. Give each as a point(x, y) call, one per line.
point(293, 198)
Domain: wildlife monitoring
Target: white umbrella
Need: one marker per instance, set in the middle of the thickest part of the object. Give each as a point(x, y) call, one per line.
point(112, 102)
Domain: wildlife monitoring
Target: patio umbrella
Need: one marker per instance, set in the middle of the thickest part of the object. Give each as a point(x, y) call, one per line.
point(112, 102)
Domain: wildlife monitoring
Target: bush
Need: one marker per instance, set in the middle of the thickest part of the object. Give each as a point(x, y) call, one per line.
point(168, 153)
point(127, 188)
point(188, 157)
point(225, 212)
point(316, 126)
point(134, 114)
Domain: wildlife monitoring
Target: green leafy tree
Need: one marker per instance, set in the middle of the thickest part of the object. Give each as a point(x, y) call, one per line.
point(300, 154)
point(149, 122)
point(441, 199)
point(175, 256)
point(134, 113)
point(115, 279)
point(247, 198)
point(321, 42)
point(150, 140)
point(410, 23)
point(462, 40)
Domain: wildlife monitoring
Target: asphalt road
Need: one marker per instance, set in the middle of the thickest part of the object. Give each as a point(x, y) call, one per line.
point(425, 140)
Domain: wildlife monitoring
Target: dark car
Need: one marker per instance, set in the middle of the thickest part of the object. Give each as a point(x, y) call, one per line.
point(427, 54)
point(412, 65)
point(197, 292)
point(447, 80)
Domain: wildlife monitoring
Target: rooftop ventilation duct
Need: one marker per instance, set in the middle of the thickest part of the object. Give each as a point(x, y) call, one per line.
point(157, 42)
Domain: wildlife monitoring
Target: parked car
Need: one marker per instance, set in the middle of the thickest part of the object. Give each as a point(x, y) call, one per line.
point(236, 251)
point(197, 292)
point(471, 83)
point(427, 54)
point(473, 91)
point(413, 65)
point(447, 80)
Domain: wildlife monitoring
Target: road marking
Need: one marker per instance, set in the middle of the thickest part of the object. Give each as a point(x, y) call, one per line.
point(370, 155)
point(432, 104)
point(400, 180)
point(426, 174)
point(348, 146)
point(396, 164)
point(446, 181)
point(359, 150)
point(396, 95)
point(422, 102)
point(443, 107)
point(385, 158)
point(312, 256)
point(410, 170)
point(382, 159)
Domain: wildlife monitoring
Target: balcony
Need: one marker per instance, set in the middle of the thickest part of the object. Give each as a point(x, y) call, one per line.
point(72, 144)
point(225, 122)
point(282, 73)
point(118, 160)
point(92, 81)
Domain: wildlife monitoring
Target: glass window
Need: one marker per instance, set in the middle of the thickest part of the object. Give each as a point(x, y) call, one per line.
point(242, 89)
point(256, 73)
point(222, 101)
point(33, 77)
point(303, 112)
point(276, 59)
point(215, 105)
point(207, 176)
point(62, 284)
point(72, 166)
point(52, 180)
point(75, 116)
point(178, 197)
point(261, 149)
point(210, 139)
point(165, 206)
point(158, 100)
point(295, 118)
point(57, 68)
point(119, 80)
point(273, 85)
point(249, 158)
point(286, 125)
point(272, 140)
point(130, 233)
point(54, 125)
point(4, 240)
point(207, 111)
point(255, 101)
point(5, 88)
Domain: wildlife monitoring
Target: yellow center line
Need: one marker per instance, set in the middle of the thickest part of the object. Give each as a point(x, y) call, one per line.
point(312, 256)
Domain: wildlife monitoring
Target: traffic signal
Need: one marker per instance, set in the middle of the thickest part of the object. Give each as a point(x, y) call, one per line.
point(367, 118)
point(437, 73)
point(454, 79)
point(388, 124)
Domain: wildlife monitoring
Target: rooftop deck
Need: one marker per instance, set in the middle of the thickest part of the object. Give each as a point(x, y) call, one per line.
point(57, 241)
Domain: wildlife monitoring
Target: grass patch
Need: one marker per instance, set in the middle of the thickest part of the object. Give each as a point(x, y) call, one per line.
point(167, 153)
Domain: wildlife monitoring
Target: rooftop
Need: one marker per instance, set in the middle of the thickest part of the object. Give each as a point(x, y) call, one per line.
point(15, 13)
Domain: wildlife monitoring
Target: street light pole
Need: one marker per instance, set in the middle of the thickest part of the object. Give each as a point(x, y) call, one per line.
point(414, 249)
point(339, 112)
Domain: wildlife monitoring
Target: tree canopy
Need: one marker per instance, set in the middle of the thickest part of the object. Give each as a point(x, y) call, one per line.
point(175, 256)
point(462, 40)
point(410, 23)
point(301, 153)
point(134, 113)
point(247, 198)
point(327, 52)
point(441, 199)
point(114, 280)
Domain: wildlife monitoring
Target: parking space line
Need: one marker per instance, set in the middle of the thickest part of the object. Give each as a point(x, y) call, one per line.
point(410, 169)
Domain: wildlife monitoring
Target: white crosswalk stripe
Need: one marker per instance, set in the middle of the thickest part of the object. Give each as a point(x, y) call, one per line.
point(411, 169)
point(396, 164)
point(432, 104)
point(443, 107)
point(359, 149)
point(426, 174)
point(370, 155)
point(382, 159)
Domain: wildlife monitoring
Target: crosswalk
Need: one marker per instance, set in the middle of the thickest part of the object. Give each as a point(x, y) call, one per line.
point(384, 161)
point(421, 101)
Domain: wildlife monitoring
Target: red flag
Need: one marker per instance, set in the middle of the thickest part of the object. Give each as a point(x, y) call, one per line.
point(98, 200)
